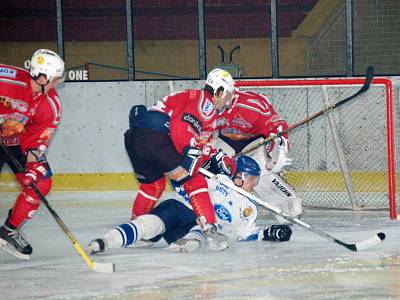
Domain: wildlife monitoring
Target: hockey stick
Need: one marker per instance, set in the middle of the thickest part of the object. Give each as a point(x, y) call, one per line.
point(95, 266)
point(373, 241)
point(364, 88)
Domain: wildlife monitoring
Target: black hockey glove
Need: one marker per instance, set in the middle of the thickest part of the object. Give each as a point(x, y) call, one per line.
point(278, 233)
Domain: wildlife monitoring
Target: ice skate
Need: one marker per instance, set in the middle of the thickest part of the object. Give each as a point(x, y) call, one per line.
point(215, 241)
point(97, 246)
point(13, 241)
point(184, 246)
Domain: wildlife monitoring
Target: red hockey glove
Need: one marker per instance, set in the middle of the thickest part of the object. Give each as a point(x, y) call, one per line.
point(33, 173)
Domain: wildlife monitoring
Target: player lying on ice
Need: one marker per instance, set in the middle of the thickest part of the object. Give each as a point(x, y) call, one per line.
point(175, 221)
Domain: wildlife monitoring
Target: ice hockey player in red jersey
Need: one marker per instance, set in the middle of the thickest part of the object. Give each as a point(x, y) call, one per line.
point(250, 120)
point(30, 111)
point(171, 140)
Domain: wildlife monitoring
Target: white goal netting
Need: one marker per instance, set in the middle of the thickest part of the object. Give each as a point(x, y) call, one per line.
point(341, 158)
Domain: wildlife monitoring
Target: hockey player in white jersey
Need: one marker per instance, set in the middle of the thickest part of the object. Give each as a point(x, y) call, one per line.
point(174, 220)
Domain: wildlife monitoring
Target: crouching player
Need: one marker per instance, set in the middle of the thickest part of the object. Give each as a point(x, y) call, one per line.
point(247, 123)
point(175, 221)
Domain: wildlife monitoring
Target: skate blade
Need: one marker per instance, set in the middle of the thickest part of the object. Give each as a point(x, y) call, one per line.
point(6, 246)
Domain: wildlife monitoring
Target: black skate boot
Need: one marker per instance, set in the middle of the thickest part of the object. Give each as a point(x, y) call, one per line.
point(13, 241)
point(97, 246)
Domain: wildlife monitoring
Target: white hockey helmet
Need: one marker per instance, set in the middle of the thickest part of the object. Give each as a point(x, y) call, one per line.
point(48, 63)
point(219, 79)
point(223, 88)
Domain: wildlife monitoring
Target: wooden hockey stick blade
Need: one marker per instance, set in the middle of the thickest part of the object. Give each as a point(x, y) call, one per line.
point(353, 247)
point(367, 83)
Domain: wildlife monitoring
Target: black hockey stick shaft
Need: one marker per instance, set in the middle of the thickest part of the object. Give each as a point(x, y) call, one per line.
point(376, 239)
point(103, 268)
point(364, 88)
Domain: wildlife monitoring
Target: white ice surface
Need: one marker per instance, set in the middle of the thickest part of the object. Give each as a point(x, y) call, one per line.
point(307, 267)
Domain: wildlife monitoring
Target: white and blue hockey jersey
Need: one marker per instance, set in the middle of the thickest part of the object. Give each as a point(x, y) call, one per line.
point(235, 213)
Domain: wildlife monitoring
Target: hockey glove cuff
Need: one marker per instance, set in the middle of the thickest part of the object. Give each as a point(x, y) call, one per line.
point(34, 172)
point(277, 233)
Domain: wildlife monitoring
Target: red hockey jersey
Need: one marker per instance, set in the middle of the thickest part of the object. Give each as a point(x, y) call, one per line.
point(193, 117)
point(39, 113)
point(251, 115)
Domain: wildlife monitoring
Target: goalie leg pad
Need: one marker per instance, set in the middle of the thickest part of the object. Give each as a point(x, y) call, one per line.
point(279, 194)
point(258, 154)
point(147, 196)
point(218, 143)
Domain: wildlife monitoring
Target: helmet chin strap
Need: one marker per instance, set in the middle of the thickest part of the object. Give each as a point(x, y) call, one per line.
point(41, 85)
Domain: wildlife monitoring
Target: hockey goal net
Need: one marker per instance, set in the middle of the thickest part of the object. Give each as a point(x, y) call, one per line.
point(344, 159)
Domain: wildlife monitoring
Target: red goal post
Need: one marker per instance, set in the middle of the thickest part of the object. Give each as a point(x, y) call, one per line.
point(344, 159)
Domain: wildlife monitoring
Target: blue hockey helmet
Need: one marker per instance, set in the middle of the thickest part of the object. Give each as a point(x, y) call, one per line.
point(245, 164)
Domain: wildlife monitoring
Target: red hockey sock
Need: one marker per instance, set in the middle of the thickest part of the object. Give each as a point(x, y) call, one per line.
point(200, 200)
point(27, 203)
point(147, 197)
point(23, 209)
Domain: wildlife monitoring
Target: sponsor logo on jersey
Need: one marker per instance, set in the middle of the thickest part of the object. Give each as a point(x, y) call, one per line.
point(222, 189)
point(193, 121)
point(222, 213)
point(239, 121)
point(221, 122)
point(247, 212)
point(7, 72)
point(19, 105)
point(14, 116)
point(206, 108)
point(281, 187)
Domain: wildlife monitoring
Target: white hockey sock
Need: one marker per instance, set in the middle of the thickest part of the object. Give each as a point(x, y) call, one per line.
point(127, 234)
point(124, 235)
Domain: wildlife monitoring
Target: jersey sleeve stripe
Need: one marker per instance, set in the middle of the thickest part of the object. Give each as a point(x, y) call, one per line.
point(15, 82)
point(55, 106)
point(253, 109)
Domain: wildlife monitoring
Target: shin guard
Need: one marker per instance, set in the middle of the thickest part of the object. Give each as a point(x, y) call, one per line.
point(27, 203)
